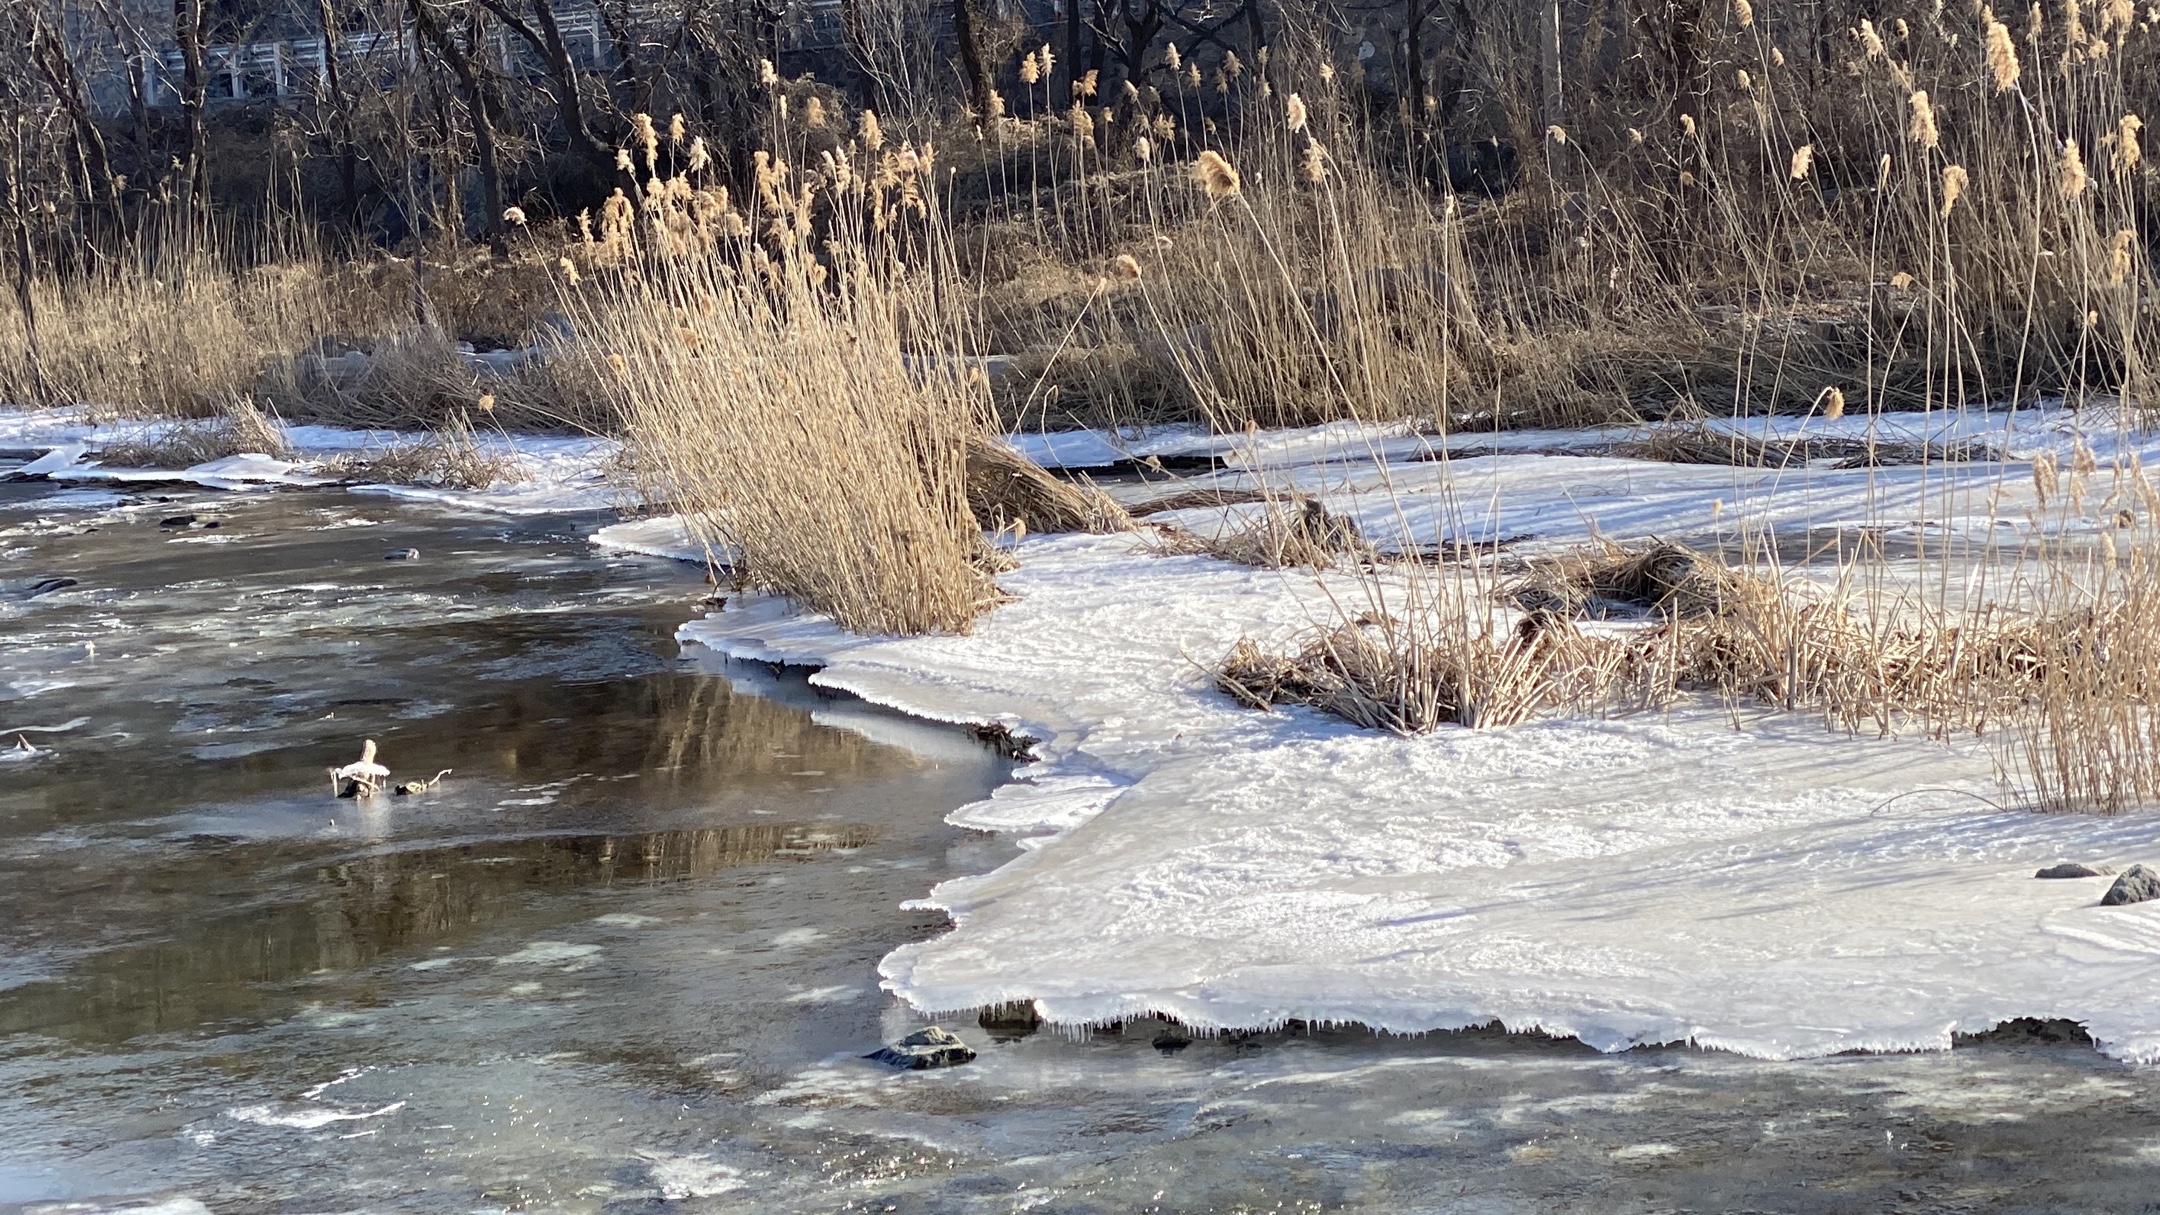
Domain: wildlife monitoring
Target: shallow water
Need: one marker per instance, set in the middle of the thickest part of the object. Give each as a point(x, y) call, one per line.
point(624, 957)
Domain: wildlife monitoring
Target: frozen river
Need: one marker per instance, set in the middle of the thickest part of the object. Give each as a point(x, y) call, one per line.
point(624, 957)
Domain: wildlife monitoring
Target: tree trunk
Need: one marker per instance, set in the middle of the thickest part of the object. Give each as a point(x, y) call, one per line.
point(544, 36)
point(341, 113)
point(971, 58)
point(188, 24)
point(464, 64)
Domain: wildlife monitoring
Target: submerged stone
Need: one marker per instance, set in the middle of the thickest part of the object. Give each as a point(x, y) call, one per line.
point(402, 554)
point(2136, 885)
point(925, 1048)
point(2071, 869)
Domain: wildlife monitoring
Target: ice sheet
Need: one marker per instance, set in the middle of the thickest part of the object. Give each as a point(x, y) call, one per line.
point(1761, 885)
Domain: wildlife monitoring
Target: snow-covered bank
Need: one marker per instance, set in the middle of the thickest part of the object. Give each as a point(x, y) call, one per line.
point(1771, 889)
point(1755, 884)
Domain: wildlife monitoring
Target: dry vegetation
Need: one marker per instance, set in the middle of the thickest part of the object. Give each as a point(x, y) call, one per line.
point(808, 328)
point(450, 457)
point(242, 428)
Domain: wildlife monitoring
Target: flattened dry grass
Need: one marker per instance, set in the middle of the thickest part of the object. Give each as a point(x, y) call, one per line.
point(1295, 534)
point(1007, 491)
point(241, 429)
point(450, 457)
point(2066, 687)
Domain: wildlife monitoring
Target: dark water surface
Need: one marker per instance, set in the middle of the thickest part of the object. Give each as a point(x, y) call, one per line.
point(624, 957)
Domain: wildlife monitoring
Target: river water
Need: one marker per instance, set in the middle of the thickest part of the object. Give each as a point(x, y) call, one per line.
point(623, 958)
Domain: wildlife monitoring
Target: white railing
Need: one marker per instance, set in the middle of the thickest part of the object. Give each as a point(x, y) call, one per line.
point(292, 66)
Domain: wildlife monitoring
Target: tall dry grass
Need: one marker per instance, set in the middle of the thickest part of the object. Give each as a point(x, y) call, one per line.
point(790, 397)
point(177, 331)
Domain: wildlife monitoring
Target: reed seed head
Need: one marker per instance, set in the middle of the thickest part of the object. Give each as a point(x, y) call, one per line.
point(1687, 125)
point(1217, 178)
point(569, 270)
point(1556, 133)
point(1029, 73)
point(2002, 57)
point(1923, 130)
point(1128, 267)
point(1294, 112)
point(1953, 186)
point(1833, 404)
point(1802, 160)
point(1870, 39)
point(1743, 12)
point(514, 215)
point(2127, 151)
point(2072, 179)
point(868, 130)
point(1313, 164)
point(1172, 57)
point(2119, 256)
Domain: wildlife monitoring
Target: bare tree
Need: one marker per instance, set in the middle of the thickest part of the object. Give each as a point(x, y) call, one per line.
point(463, 58)
point(190, 25)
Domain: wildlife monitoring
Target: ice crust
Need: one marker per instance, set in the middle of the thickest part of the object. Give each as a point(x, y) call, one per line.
point(552, 474)
point(1749, 882)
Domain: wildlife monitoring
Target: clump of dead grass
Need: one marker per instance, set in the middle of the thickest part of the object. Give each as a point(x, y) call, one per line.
point(772, 394)
point(1303, 533)
point(450, 457)
point(1610, 580)
point(1008, 492)
point(1380, 673)
point(2065, 682)
point(243, 428)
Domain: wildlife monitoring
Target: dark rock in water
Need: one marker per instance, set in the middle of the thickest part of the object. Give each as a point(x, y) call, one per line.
point(177, 521)
point(2071, 869)
point(402, 554)
point(925, 1048)
point(46, 586)
point(1171, 1041)
point(2136, 885)
point(1010, 1022)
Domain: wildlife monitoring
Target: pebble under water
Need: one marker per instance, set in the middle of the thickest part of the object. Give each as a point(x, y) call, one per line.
point(624, 957)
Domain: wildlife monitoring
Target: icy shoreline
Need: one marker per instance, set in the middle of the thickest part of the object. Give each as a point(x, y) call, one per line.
point(553, 474)
point(1778, 891)
point(1758, 885)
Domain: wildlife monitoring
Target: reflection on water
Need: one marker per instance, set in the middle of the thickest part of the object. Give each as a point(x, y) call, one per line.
point(354, 911)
